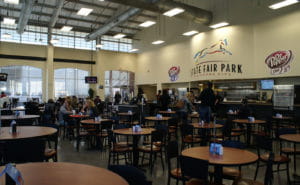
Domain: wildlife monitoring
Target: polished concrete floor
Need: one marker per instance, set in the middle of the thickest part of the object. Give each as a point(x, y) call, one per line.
point(67, 153)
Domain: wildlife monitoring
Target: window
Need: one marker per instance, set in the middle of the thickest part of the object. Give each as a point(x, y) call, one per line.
point(70, 81)
point(122, 81)
point(22, 82)
point(113, 44)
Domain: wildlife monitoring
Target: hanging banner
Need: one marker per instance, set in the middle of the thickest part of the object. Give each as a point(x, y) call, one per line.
point(279, 62)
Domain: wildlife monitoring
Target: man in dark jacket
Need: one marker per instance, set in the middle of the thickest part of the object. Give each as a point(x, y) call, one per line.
point(207, 98)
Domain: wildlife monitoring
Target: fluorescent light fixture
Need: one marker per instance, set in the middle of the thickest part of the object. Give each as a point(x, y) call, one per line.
point(173, 12)
point(84, 11)
point(283, 4)
point(147, 24)
point(10, 21)
point(54, 41)
point(99, 45)
point(158, 42)
point(119, 36)
point(6, 35)
point(12, 1)
point(218, 25)
point(102, 0)
point(190, 33)
point(66, 28)
point(133, 50)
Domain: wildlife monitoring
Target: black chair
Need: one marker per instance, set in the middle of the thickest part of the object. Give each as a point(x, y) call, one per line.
point(265, 143)
point(195, 169)
point(268, 175)
point(288, 150)
point(131, 174)
point(230, 173)
point(21, 151)
point(52, 143)
point(173, 126)
point(173, 154)
point(153, 148)
point(188, 138)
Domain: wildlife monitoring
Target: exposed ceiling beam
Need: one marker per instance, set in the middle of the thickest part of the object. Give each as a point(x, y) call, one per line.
point(195, 14)
point(54, 18)
point(113, 23)
point(73, 19)
point(24, 15)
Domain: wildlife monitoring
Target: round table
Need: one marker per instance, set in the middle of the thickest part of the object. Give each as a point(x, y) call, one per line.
point(59, 173)
point(158, 120)
point(166, 112)
point(13, 117)
point(135, 135)
point(207, 126)
point(93, 122)
point(128, 115)
point(230, 157)
point(249, 126)
point(24, 132)
point(278, 120)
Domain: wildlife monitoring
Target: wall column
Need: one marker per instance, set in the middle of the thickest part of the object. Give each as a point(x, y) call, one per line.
point(49, 85)
point(99, 72)
point(158, 87)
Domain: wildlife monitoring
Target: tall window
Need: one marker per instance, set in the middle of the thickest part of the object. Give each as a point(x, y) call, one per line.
point(122, 81)
point(22, 82)
point(70, 81)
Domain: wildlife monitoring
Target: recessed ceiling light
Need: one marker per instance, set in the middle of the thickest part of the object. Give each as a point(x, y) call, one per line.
point(84, 11)
point(102, 0)
point(12, 1)
point(133, 50)
point(99, 45)
point(10, 21)
point(218, 25)
point(190, 33)
point(66, 28)
point(283, 4)
point(119, 36)
point(54, 41)
point(173, 12)
point(147, 24)
point(158, 42)
point(6, 35)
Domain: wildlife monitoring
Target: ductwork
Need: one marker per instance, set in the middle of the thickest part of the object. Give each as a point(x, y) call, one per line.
point(24, 15)
point(192, 13)
point(114, 22)
point(54, 18)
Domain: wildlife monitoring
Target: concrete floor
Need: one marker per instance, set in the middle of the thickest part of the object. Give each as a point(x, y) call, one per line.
point(67, 153)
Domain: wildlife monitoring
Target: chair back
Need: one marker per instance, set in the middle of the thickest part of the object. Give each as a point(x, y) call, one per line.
point(172, 152)
point(234, 144)
point(264, 142)
point(21, 151)
point(186, 130)
point(52, 139)
point(282, 131)
point(131, 174)
point(269, 171)
point(194, 168)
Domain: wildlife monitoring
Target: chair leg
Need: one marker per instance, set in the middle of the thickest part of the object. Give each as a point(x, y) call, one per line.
point(288, 173)
point(256, 171)
point(169, 179)
point(162, 161)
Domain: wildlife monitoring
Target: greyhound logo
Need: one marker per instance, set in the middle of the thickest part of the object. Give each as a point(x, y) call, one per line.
point(219, 47)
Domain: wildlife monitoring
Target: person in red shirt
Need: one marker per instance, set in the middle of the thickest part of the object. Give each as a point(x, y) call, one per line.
point(2, 94)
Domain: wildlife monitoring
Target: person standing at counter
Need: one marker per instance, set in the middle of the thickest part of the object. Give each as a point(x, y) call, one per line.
point(117, 98)
point(165, 100)
point(244, 111)
point(207, 98)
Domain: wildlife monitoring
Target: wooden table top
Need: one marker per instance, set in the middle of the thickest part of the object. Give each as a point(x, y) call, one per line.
point(246, 121)
point(207, 125)
point(232, 113)
point(194, 115)
point(93, 122)
point(126, 114)
point(231, 156)
point(282, 118)
point(12, 117)
point(291, 137)
point(128, 131)
point(24, 132)
point(166, 112)
point(60, 173)
point(78, 116)
point(154, 118)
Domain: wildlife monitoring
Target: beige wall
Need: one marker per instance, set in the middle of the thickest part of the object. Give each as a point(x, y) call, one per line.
point(105, 60)
point(249, 44)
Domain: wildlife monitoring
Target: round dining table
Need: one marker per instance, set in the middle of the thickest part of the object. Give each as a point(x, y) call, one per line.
point(249, 125)
point(135, 135)
point(230, 157)
point(158, 120)
point(128, 115)
point(206, 130)
point(25, 132)
point(60, 173)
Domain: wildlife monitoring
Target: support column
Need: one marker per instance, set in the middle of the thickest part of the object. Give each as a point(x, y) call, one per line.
point(99, 72)
point(49, 85)
point(158, 87)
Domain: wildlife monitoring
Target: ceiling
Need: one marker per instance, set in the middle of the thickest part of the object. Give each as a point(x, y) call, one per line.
point(108, 13)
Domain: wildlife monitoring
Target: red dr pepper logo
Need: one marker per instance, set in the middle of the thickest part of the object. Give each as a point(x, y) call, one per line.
point(173, 73)
point(279, 62)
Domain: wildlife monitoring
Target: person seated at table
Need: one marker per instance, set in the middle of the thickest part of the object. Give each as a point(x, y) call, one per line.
point(65, 109)
point(2, 94)
point(74, 102)
point(90, 109)
point(244, 111)
point(185, 109)
point(49, 113)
